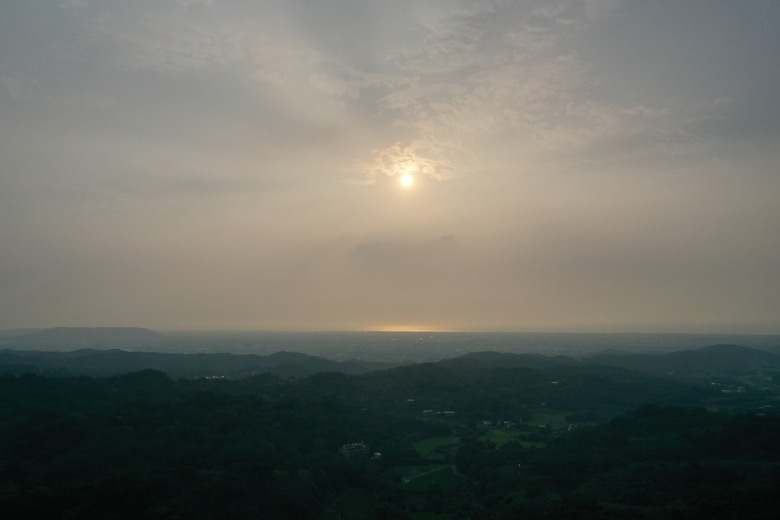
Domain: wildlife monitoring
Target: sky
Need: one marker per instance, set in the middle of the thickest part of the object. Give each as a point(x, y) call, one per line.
point(575, 165)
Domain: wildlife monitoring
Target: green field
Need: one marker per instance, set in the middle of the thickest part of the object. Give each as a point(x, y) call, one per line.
point(431, 447)
point(355, 505)
point(443, 479)
point(412, 472)
point(501, 437)
point(429, 516)
point(554, 420)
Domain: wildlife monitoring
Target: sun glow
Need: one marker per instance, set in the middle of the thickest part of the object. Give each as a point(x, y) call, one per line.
point(406, 328)
point(407, 180)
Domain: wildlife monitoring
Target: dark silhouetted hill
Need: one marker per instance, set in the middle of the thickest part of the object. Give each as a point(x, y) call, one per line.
point(727, 360)
point(509, 360)
point(507, 382)
point(112, 362)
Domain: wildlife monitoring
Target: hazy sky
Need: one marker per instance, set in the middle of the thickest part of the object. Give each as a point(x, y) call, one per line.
point(578, 165)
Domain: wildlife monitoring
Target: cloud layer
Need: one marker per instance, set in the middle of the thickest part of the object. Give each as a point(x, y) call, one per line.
point(580, 164)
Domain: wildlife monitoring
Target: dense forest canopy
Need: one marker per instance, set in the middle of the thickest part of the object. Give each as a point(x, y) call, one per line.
point(482, 436)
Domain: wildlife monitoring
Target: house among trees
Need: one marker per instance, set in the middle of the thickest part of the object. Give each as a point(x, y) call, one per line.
point(356, 450)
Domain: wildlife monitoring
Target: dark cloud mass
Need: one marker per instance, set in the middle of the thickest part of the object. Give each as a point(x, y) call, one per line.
point(590, 165)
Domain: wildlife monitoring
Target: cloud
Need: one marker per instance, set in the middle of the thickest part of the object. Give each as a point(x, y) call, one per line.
point(195, 3)
point(505, 75)
point(334, 87)
point(162, 41)
point(419, 157)
point(18, 86)
point(595, 160)
point(468, 86)
point(74, 4)
point(385, 252)
point(449, 45)
point(595, 9)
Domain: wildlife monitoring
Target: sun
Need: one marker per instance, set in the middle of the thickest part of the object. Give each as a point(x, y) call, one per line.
point(407, 180)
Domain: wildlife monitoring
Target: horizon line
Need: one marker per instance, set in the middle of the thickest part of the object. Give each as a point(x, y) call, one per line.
point(389, 329)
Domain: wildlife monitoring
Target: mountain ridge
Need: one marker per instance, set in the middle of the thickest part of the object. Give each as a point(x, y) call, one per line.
point(94, 362)
point(726, 360)
point(714, 359)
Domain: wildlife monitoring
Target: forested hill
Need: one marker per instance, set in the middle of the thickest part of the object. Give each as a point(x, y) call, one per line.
point(723, 360)
point(486, 436)
point(714, 360)
point(465, 438)
point(717, 360)
point(112, 362)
